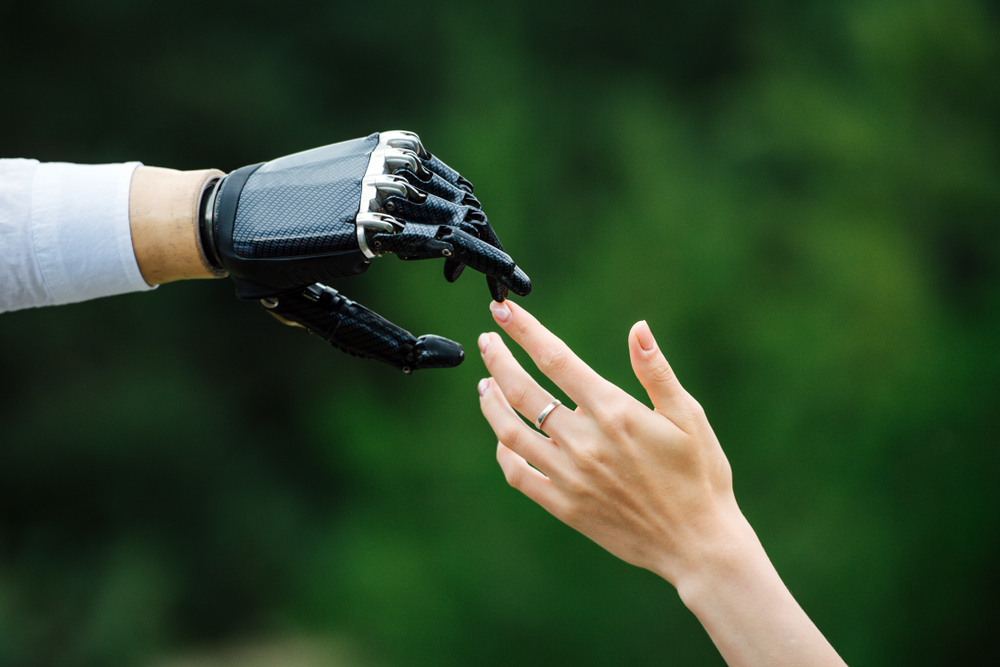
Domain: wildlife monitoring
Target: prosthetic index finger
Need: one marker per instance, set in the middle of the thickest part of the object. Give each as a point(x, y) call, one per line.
point(417, 241)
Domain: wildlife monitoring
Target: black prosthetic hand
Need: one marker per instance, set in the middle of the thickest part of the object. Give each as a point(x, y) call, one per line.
point(284, 227)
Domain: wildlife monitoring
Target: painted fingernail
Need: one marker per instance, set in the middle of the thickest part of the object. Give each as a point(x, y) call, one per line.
point(645, 336)
point(483, 384)
point(484, 342)
point(500, 311)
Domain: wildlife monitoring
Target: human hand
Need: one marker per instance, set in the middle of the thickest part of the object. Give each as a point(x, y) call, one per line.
point(653, 487)
point(284, 227)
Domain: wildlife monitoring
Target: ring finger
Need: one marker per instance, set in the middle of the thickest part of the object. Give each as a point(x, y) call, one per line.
point(512, 432)
point(520, 389)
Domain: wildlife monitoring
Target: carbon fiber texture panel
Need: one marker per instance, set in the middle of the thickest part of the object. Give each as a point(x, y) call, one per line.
point(303, 204)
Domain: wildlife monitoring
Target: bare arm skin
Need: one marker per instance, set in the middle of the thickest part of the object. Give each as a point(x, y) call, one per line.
point(163, 214)
point(653, 487)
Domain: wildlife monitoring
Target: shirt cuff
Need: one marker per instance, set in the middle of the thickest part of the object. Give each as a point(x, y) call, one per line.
point(81, 233)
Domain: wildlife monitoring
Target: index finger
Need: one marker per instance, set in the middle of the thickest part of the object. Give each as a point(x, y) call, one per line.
point(552, 356)
point(487, 259)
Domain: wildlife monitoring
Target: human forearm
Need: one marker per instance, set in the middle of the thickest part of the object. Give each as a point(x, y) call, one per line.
point(163, 215)
point(747, 610)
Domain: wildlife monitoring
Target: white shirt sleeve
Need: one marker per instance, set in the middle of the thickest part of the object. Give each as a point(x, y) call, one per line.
point(64, 233)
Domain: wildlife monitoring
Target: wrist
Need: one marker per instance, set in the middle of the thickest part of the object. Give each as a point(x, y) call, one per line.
point(716, 549)
point(732, 561)
point(164, 208)
point(748, 612)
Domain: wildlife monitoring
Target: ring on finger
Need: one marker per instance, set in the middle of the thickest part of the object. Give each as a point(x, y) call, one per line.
point(545, 413)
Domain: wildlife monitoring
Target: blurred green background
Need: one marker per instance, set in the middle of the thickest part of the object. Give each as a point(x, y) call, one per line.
point(801, 197)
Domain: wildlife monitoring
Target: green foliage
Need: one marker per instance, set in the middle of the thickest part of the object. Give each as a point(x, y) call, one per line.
point(800, 197)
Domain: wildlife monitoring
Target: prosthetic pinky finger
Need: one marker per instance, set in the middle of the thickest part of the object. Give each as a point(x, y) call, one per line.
point(352, 328)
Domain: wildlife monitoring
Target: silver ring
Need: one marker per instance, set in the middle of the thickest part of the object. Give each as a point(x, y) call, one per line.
point(545, 413)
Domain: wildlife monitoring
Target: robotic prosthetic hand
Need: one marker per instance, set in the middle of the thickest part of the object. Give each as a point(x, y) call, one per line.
point(284, 227)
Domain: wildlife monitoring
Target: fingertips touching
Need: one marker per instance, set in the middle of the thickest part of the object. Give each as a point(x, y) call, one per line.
point(550, 354)
point(501, 312)
point(518, 323)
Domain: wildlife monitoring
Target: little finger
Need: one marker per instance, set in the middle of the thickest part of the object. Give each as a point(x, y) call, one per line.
point(527, 480)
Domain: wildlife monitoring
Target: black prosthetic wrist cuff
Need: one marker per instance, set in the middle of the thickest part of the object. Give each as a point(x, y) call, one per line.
point(206, 224)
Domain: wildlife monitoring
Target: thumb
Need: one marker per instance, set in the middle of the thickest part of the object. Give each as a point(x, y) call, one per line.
point(668, 396)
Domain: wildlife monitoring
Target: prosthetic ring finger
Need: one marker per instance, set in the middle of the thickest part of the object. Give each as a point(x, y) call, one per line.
point(545, 413)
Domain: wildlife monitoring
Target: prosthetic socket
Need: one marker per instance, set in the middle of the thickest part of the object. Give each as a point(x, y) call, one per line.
point(283, 228)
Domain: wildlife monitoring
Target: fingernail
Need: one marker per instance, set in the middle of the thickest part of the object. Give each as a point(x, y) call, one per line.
point(483, 384)
point(500, 311)
point(645, 336)
point(484, 342)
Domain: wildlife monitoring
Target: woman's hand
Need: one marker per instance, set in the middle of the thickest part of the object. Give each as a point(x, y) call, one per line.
point(652, 487)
